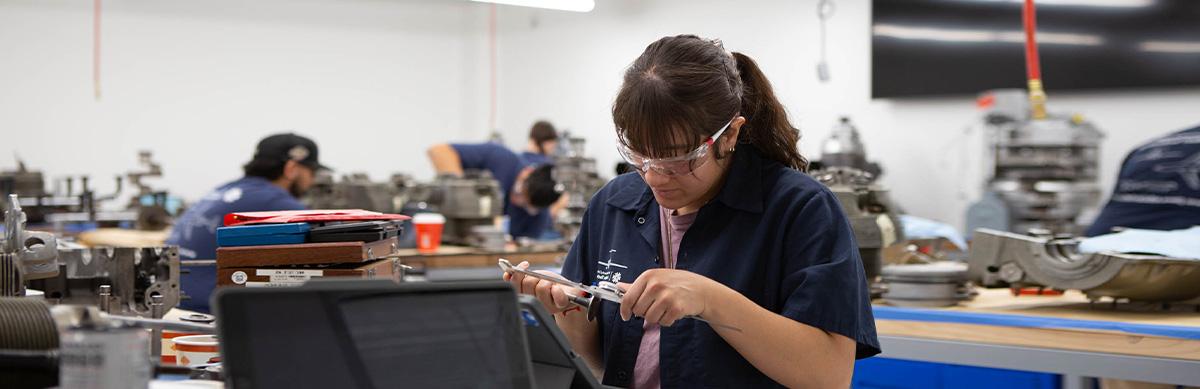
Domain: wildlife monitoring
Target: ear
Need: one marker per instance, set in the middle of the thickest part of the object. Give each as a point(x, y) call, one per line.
point(729, 140)
point(291, 169)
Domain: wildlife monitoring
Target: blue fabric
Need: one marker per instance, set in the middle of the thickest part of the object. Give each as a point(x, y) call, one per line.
point(1177, 243)
point(532, 158)
point(921, 228)
point(943, 316)
point(196, 231)
point(1158, 188)
point(505, 166)
point(772, 233)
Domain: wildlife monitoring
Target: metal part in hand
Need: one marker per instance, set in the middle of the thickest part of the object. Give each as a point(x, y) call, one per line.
point(603, 291)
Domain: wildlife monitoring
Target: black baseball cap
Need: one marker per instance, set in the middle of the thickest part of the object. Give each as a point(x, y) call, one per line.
point(289, 147)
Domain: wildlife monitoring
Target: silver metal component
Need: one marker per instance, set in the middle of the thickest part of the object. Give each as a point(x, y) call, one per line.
point(935, 284)
point(1041, 172)
point(844, 149)
point(1056, 263)
point(134, 275)
point(24, 255)
point(844, 168)
point(105, 296)
point(98, 353)
point(156, 311)
point(580, 180)
point(604, 290)
point(1011, 273)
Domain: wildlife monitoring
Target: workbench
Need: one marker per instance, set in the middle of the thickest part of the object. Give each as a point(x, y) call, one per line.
point(1063, 335)
point(456, 263)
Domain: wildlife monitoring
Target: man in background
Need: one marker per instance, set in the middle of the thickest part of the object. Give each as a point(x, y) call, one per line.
point(529, 188)
point(1158, 187)
point(543, 141)
point(281, 170)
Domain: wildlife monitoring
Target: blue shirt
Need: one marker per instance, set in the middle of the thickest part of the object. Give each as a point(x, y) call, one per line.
point(772, 233)
point(505, 166)
point(532, 158)
point(196, 231)
point(1158, 187)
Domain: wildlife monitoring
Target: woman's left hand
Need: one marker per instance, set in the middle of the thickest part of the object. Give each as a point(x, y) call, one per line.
point(665, 295)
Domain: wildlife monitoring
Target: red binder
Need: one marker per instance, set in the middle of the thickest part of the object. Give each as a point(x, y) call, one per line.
point(307, 216)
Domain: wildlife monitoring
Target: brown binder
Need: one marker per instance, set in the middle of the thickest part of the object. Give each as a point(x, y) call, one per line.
point(304, 254)
point(387, 269)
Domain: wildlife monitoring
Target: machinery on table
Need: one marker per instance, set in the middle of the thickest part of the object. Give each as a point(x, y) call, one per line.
point(580, 180)
point(148, 208)
point(469, 201)
point(357, 191)
point(25, 254)
point(844, 168)
point(98, 294)
point(1000, 258)
point(1042, 171)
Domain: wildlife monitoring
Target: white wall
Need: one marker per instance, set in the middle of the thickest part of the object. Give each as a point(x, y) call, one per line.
point(567, 67)
point(375, 82)
point(199, 82)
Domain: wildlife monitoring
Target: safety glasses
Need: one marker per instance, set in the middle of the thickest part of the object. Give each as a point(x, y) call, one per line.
point(673, 166)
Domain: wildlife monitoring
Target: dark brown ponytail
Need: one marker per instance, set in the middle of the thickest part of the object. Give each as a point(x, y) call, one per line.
point(684, 88)
point(767, 125)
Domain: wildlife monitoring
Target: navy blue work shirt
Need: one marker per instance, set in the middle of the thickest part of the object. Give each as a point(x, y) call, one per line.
point(532, 158)
point(196, 231)
point(1158, 187)
point(772, 233)
point(505, 166)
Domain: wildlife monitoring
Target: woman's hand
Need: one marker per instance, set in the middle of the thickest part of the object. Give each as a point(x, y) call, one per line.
point(552, 296)
point(665, 295)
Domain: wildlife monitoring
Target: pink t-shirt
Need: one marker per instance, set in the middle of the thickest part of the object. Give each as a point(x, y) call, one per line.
point(645, 370)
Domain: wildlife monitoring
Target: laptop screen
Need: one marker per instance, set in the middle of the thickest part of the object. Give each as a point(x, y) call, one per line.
point(435, 336)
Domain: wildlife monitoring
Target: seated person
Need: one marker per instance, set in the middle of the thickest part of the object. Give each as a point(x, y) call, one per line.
point(543, 141)
point(1158, 187)
point(529, 189)
point(280, 172)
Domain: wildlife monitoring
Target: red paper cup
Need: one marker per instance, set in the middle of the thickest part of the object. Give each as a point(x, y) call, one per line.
point(429, 231)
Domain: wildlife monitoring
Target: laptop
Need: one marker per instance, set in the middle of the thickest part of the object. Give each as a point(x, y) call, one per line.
point(375, 334)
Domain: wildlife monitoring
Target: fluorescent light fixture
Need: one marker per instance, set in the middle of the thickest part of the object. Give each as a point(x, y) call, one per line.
point(1186, 47)
point(1089, 3)
point(976, 36)
point(561, 5)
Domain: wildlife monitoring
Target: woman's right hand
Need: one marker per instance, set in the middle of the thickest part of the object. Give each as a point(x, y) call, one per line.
point(552, 296)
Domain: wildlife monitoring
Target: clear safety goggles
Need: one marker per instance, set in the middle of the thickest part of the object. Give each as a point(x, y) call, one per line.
point(673, 166)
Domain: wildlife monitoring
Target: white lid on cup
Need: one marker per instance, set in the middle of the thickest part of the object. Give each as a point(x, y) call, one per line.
point(429, 218)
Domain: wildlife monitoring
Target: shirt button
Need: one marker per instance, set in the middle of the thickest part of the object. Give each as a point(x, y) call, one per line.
point(641, 220)
point(621, 376)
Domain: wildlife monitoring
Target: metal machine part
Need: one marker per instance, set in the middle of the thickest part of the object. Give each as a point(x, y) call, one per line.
point(844, 168)
point(580, 180)
point(475, 199)
point(132, 277)
point(24, 255)
point(357, 191)
point(29, 343)
point(937, 284)
point(998, 258)
point(1041, 173)
point(844, 149)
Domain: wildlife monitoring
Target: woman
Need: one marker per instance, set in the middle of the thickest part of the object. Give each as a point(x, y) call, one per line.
point(721, 224)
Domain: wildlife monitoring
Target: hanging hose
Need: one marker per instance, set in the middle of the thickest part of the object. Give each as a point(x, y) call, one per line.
point(1033, 70)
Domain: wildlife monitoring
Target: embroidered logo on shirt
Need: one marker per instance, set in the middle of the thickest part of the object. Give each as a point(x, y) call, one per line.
point(607, 273)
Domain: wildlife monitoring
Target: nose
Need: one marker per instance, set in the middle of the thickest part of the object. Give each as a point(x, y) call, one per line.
point(654, 178)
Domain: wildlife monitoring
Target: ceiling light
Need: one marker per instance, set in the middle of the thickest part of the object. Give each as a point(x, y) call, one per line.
point(561, 5)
